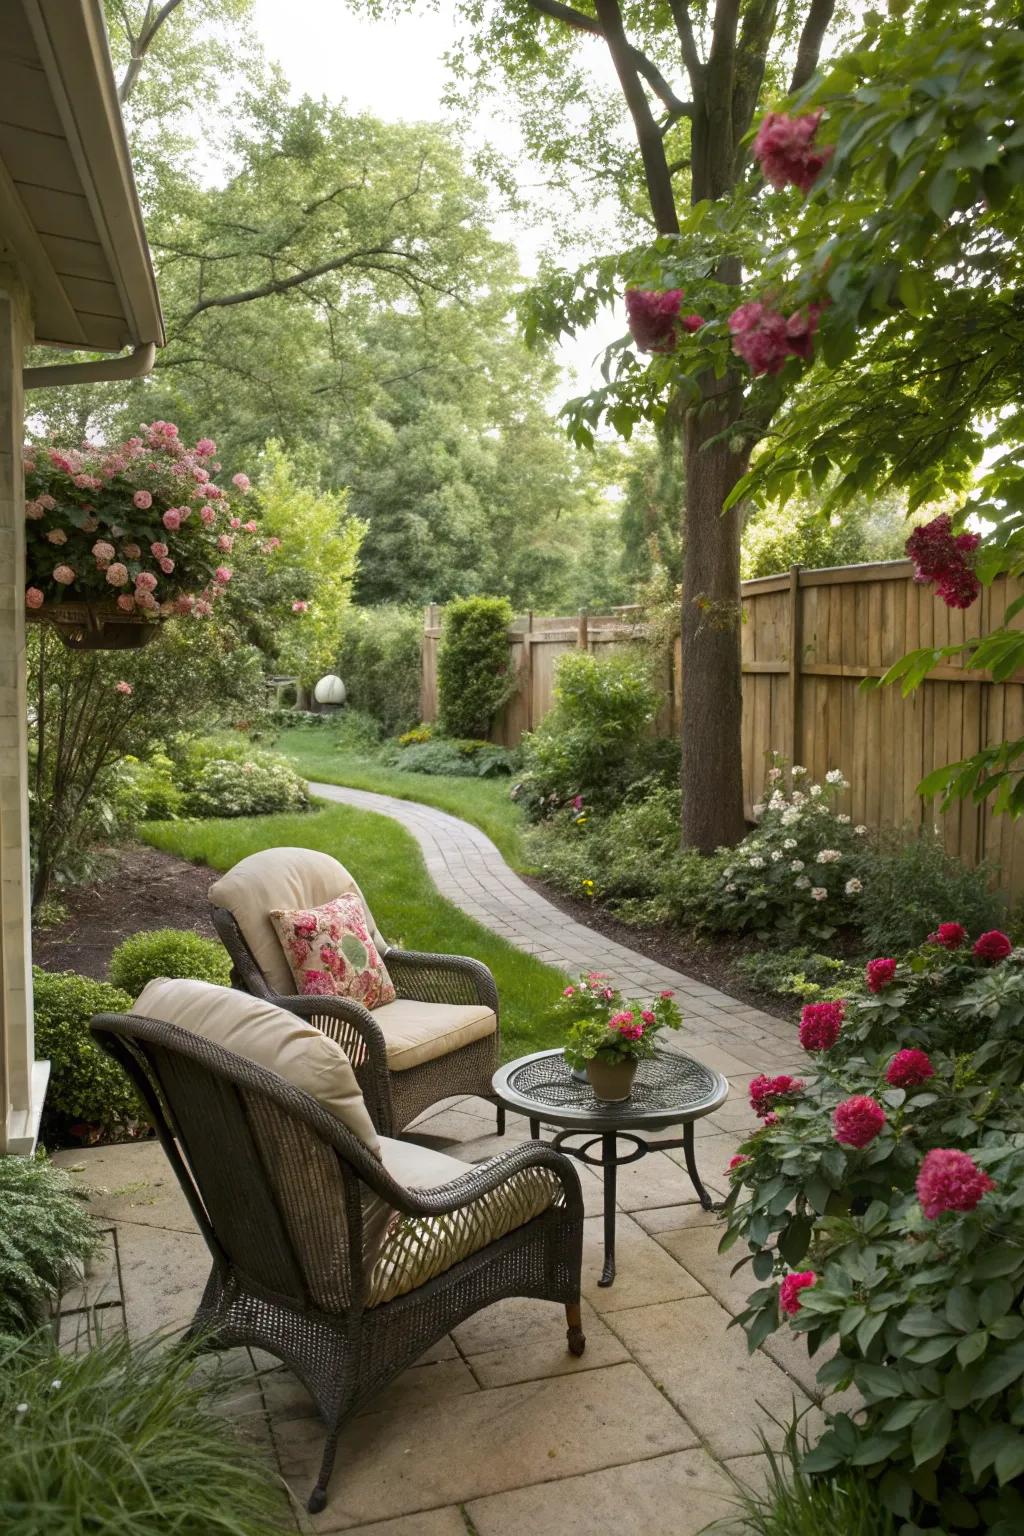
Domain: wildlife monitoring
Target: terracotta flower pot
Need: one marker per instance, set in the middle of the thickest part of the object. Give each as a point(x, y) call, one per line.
point(612, 1081)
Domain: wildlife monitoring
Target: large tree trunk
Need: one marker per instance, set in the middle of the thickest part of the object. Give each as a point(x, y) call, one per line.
point(712, 761)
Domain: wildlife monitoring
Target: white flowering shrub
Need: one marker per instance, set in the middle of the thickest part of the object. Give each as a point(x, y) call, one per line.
point(800, 872)
point(256, 786)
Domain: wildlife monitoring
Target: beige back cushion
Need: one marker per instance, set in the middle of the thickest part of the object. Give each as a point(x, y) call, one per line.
point(269, 1036)
point(277, 879)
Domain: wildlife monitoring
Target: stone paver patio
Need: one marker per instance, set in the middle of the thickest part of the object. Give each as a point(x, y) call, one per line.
point(498, 1430)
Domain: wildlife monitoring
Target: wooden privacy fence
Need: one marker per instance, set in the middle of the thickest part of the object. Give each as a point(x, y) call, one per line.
point(809, 639)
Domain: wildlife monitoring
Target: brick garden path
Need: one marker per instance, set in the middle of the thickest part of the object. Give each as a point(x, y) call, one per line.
point(469, 871)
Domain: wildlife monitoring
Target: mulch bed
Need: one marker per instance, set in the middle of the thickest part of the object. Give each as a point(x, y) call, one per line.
point(712, 963)
point(143, 889)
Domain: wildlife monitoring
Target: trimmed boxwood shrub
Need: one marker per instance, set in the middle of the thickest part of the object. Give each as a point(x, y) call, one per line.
point(87, 1087)
point(473, 677)
point(379, 663)
point(168, 952)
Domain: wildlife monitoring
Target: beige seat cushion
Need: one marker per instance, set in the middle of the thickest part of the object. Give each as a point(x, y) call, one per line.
point(414, 1249)
point(276, 879)
point(418, 1032)
point(269, 1036)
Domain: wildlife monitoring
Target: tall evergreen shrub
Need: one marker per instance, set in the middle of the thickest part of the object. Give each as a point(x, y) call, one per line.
point(473, 676)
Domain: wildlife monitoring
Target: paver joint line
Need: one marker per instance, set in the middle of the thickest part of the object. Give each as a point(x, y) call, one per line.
point(471, 860)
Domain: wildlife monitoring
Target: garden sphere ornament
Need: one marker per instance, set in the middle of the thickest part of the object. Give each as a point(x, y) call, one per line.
point(330, 690)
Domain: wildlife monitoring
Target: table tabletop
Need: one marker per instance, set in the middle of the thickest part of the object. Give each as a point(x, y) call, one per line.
point(669, 1089)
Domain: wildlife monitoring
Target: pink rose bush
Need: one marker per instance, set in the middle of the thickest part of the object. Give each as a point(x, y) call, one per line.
point(138, 525)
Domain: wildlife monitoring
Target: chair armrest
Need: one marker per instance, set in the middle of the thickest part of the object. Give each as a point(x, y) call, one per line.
point(481, 1180)
point(348, 1023)
point(430, 978)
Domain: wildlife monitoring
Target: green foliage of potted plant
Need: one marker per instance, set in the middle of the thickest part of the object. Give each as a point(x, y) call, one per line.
point(608, 1038)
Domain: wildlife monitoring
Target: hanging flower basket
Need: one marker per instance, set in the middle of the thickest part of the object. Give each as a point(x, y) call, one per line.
point(95, 626)
point(119, 539)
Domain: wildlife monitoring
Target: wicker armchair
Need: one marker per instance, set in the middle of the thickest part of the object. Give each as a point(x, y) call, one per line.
point(320, 1255)
point(454, 1024)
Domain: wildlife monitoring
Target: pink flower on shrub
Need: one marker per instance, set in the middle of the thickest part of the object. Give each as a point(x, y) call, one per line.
point(103, 552)
point(949, 935)
point(234, 522)
point(764, 338)
point(652, 317)
point(126, 603)
point(145, 581)
point(626, 1025)
point(909, 1068)
point(857, 1121)
point(820, 1025)
point(667, 993)
point(132, 551)
point(166, 565)
point(34, 598)
point(185, 603)
point(737, 1162)
point(172, 519)
point(949, 1180)
point(223, 574)
point(569, 991)
point(160, 551)
point(879, 973)
point(206, 447)
point(33, 509)
point(765, 1092)
point(143, 500)
point(789, 1290)
point(57, 536)
point(46, 501)
point(271, 545)
point(946, 558)
point(225, 542)
point(241, 483)
point(117, 574)
point(208, 515)
point(992, 947)
point(648, 1017)
point(63, 574)
point(770, 1120)
point(692, 322)
point(123, 687)
point(784, 147)
point(299, 606)
point(250, 526)
point(145, 600)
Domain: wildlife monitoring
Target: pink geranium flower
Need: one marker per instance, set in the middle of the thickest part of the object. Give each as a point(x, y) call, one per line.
point(652, 317)
point(992, 947)
point(908, 1069)
point(789, 1290)
point(879, 973)
point(949, 1180)
point(857, 1121)
point(737, 1161)
point(765, 1092)
point(949, 935)
point(820, 1025)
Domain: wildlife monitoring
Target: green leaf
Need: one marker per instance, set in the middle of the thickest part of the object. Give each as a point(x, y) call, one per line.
point(998, 1261)
point(931, 1432)
point(942, 194)
point(1009, 1463)
point(911, 291)
point(1000, 1372)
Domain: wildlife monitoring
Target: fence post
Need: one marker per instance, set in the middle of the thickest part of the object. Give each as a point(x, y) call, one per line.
point(582, 635)
point(796, 660)
point(428, 674)
point(528, 667)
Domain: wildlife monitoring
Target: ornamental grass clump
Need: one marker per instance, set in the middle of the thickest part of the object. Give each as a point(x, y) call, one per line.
point(800, 874)
point(881, 1202)
point(45, 1231)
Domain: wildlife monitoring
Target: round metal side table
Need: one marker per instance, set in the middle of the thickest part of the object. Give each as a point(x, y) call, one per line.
point(668, 1090)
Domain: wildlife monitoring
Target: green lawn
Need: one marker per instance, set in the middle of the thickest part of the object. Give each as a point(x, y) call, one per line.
point(386, 861)
point(484, 802)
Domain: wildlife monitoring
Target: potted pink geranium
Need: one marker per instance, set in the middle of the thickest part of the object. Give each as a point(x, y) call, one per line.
point(607, 1038)
point(120, 538)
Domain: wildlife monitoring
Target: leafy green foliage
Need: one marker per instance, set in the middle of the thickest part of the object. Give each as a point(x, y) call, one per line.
point(776, 537)
point(924, 1309)
point(379, 662)
point(792, 1503)
point(224, 775)
point(44, 1230)
point(800, 972)
point(596, 741)
point(126, 1437)
point(914, 885)
point(473, 674)
point(153, 782)
point(460, 759)
point(87, 1087)
point(143, 957)
point(623, 859)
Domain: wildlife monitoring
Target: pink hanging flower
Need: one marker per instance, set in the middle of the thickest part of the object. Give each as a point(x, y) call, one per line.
point(300, 607)
point(223, 574)
point(241, 483)
point(125, 688)
point(167, 566)
point(250, 526)
point(945, 558)
point(34, 598)
point(143, 500)
point(652, 317)
point(789, 1290)
point(34, 509)
point(765, 1092)
point(692, 322)
point(784, 147)
point(879, 973)
point(908, 1069)
point(949, 1180)
point(820, 1025)
point(172, 519)
point(126, 603)
point(159, 551)
point(145, 581)
point(63, 574)
point(764, 338)
point(57, 536)
point(857, 1121)
point(103, 552)
point(117, 574)
point(992, 947)
point(949, 936)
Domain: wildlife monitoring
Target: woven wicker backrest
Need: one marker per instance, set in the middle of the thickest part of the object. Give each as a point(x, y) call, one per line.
point(272, 1178)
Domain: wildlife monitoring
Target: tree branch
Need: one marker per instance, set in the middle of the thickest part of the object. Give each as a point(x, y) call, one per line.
point(756, 32)
point(811, 38)
point(652, 150)
point(140, 46)
point(641, 63)
point(295, 280)
point(692, 62)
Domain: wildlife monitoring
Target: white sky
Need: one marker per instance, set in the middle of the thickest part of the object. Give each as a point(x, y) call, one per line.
point(396, 71)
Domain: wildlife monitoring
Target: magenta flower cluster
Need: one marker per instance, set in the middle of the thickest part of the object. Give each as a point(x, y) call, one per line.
point(820, 1025)
point(909, 1068)
point(950, 1180)
point(766, 339)
point(654, 320)
point(785, 149)
point(767, 1092)
point(945, 558)
point(878, 974)
point(792, 1285)
point(857, 1121)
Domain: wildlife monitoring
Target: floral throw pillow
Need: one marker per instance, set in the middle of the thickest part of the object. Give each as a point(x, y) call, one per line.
point(331, 953)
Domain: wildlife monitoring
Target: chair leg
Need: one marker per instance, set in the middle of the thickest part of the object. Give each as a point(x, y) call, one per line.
point(318, 1498)
point(501, 1119)
point(574, 1332)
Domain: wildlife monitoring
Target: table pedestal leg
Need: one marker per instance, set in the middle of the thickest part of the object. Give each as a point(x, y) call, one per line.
point(535, 1130)
point(691, 1167)
point(608, 1157)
